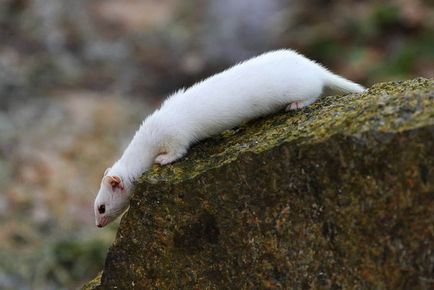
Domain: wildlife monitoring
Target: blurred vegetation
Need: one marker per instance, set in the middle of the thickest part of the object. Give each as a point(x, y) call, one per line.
point(69, 70)
point(61, 261)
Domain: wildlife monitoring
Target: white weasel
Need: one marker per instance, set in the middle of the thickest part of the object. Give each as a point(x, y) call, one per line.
point(256, 87)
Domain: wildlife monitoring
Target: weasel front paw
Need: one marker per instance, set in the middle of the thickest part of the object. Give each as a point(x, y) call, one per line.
point(164, 159)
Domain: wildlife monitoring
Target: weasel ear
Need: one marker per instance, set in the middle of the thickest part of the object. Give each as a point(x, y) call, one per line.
point(106, 171)
point(114, 182)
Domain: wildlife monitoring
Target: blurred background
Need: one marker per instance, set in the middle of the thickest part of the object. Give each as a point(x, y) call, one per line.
point(77, 77)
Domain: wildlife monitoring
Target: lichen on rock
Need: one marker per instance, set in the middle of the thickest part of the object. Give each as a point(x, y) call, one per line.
point(337, 195)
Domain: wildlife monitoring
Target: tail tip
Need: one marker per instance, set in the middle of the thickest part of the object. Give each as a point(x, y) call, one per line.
point(360, 89)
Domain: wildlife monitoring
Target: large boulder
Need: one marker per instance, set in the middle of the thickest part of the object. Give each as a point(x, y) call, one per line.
point(339, 195)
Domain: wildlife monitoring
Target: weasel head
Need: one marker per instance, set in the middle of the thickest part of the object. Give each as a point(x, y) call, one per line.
point(112, 200)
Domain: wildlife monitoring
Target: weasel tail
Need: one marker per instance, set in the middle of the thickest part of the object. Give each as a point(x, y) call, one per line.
point(341, 84)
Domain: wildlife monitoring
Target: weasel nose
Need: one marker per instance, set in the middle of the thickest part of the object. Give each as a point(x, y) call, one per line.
point(99, 225)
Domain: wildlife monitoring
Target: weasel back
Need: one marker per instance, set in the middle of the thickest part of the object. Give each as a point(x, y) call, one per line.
point(253, 88)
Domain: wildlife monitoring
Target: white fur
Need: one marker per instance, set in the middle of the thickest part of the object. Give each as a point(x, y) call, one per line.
point(256, 87)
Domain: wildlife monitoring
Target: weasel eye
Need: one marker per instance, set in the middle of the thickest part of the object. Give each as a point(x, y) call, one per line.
point(101, 209)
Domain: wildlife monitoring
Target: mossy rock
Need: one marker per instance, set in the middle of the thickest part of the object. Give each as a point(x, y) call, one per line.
point(95, 282)
point(339, 195)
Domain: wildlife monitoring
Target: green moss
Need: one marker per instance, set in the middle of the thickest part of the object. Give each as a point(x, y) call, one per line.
point(93, 283)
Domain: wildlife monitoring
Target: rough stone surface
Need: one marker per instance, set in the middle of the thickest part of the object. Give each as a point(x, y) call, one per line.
point(339, 195)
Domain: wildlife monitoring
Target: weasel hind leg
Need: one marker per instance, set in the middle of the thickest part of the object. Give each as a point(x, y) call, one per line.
point(170, 156)
point(300, 104)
